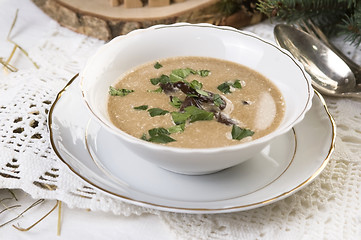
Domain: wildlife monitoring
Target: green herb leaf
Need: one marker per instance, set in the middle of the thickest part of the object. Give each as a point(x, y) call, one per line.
point(182, 72)
point(179, 118)
point(218, 101)
point(159, 135)
point(157, 65)
point(176, 102)
point(203, 73)
point(240, 133)
point(193, 114)
point(161, 79)
point(142, 107)
point(192, 71)
point(157, 131)
point(119, 92)
point(175, 78)
point(161, 139)
point(157, 112)
point(197, 114)
point(144, 137)
point(158, 90)
point(224, 87)
point(202, 92)
point(202, 116)
point(237, 84)
point(196, 85)
point(177, 128)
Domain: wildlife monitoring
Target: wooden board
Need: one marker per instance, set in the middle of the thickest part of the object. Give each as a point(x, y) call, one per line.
point(103, 9)
point(104, 20)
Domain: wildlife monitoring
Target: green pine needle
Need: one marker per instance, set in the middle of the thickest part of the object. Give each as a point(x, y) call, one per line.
point(342, 17)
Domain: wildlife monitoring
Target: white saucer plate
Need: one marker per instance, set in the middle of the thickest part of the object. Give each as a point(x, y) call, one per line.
point(289, 163)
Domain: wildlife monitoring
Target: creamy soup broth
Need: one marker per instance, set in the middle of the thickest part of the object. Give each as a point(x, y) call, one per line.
point(258, 105)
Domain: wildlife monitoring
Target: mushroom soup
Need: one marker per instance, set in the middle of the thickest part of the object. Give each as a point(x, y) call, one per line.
point(195, 102)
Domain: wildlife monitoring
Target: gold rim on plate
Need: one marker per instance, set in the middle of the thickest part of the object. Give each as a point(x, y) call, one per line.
point(200, 210)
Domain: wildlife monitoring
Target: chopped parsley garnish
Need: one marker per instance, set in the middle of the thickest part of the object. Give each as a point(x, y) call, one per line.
point(240, 133)
point(218, 101)
point(177, 128)
point(203, 73)
point(237, 84)
point(175, 102)
point(142, 107)
point(158, 135)
point(197, 114)
point(182, 72)
point(226, 86)
point(202, 92)
point(192, 114)
point(161, 138)
point(196, 85)
point(179, 117)
point(158, 131)
point(157, 65)
point(161, 79)
point(158, 90)
point(119, 92)
point(173, 78)
point(157, 112)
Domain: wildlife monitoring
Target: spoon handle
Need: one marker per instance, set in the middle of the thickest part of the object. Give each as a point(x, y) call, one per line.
point(351, 94)
point(355, 68)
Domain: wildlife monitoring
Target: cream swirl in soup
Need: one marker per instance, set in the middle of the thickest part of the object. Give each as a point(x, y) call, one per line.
point(195, 102)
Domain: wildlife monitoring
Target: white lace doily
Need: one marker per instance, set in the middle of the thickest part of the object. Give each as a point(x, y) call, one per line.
point(329, 208)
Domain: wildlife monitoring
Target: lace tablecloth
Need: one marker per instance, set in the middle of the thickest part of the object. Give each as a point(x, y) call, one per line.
point(328, 208)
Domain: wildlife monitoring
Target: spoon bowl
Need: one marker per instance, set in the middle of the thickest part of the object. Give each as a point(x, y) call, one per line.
point(330, 74)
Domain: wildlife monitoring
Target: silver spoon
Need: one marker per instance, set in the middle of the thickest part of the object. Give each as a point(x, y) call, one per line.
point(329, 73)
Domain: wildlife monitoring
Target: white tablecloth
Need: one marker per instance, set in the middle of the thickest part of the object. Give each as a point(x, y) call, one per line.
point(329, 208)
point(32, 24)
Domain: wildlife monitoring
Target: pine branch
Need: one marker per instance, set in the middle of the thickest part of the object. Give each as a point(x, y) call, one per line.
point(333, 17)
point(351, 27)
point(293, 10)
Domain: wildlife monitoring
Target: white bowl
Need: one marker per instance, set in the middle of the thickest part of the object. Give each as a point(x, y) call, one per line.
point(182, 39)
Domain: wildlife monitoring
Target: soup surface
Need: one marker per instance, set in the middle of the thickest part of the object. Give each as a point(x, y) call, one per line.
point(195, 102)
